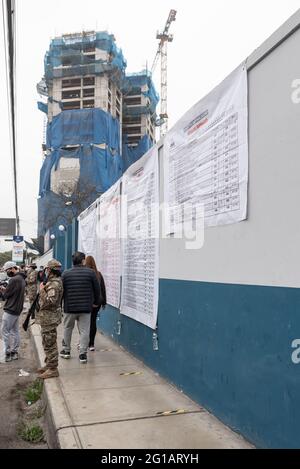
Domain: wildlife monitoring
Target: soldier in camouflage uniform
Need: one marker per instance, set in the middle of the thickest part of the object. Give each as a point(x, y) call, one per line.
point(49, 317)
point(31, 282)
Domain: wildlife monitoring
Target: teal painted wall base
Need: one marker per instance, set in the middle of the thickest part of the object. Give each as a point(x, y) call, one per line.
point(229, 348)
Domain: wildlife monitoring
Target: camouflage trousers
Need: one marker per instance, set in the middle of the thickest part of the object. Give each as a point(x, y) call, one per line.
point(49, 340)
point(32, 292)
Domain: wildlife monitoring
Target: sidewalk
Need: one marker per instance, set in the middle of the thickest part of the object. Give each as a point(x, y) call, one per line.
point(114, 401)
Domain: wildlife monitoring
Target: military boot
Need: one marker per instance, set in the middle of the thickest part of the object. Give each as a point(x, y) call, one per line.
point(50, 373)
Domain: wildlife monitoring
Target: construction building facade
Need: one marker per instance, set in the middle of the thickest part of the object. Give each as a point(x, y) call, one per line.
point(99, 121)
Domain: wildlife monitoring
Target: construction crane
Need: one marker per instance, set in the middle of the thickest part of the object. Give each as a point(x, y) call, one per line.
point(162, 51)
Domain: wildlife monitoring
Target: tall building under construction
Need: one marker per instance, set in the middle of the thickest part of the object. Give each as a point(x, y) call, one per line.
point(99, 120)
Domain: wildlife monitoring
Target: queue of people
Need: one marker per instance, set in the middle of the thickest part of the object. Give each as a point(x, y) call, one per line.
point(79, 290)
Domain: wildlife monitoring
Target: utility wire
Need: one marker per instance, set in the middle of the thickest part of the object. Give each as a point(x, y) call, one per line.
point(9, 30)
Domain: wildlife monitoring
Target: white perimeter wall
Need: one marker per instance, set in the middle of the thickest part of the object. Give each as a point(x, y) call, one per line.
point(264, 249)
point(42, 260)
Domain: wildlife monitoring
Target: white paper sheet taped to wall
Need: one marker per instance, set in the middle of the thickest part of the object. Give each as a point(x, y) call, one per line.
point(108, 256)
point(206, 158)
point(140, 240)
point(87, 230)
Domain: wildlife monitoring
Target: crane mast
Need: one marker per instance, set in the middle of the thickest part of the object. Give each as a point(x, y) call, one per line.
point(162, 51)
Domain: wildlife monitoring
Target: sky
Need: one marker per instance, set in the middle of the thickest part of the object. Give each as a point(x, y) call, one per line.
point(210, 40)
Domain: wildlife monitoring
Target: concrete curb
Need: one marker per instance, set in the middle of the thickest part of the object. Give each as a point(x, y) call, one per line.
point(128, 411)
point(57, 413)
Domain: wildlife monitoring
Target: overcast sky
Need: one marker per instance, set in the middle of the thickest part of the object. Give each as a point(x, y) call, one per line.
point(210, 40)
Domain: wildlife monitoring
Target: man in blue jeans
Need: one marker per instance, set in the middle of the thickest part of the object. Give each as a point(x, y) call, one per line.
point(13, 295)
point(81, 291)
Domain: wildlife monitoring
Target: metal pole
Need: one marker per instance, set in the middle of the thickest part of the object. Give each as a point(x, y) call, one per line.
point(164, 88)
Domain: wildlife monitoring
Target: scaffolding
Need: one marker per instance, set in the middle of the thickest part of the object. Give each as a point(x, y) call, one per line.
point(89, 139)
point(74, 54)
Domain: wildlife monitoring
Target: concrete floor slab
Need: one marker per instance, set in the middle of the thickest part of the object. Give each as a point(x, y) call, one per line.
point(93, 406)
point(104, 405)
point(97, 359)
point(191, 431)
point(106, 377)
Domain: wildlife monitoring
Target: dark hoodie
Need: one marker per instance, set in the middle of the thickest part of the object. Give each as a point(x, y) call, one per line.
point(14, 295)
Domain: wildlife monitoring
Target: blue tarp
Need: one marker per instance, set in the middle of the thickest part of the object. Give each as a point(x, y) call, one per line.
point(82, 126)
point(43, 107)
point(72, 50)
point(133, 84)
point(99, 168)
point(131, 154)
point(86, 128)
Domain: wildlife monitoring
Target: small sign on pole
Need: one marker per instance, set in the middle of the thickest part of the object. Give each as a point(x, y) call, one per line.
point(18, 249)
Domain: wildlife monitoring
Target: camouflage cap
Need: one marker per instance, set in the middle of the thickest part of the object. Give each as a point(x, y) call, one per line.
point(54, 264)
point(9, 265)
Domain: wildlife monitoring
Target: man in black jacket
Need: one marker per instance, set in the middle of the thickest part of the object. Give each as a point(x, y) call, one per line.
point(14, 296)
point(81, 292)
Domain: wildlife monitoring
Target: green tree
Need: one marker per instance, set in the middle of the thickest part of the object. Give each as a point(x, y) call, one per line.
point(4, 257)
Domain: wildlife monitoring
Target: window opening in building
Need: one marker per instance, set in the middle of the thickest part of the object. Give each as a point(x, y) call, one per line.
point(88, 81)
point(86, 48)
point(87, 92)
point(133, 100)
point(70, 147)
point(71, 94)
point(66, 61)
point(133, 140)
point(88, 103)
point(133, 130)
point(132, 120)
point(71, 83)
point(68, 105)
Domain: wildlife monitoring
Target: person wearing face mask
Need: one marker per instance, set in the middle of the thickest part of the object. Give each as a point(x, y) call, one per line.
point(13, 295)
point(49, 317)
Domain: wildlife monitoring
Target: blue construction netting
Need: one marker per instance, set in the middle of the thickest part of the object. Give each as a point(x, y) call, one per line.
point(67, 56)
point(83, 129)
point(131, 154)
point(133, 84)
point(82, 126)
point(43, 107)
point(99, 168)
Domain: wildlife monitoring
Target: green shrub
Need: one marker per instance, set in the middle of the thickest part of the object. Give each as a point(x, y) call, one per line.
point(34, 391)
point(31, 432)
